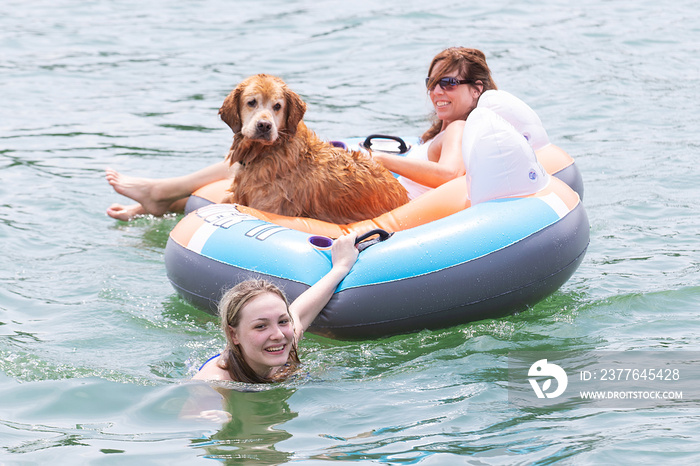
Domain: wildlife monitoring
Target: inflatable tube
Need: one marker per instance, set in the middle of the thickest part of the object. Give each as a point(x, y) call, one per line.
point(480, 246)
point(445, 264)
point(525, 121)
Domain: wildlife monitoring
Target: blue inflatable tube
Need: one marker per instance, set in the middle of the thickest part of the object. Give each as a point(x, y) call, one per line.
point(486, 261)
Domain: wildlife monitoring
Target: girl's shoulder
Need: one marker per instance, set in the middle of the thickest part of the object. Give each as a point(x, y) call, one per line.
point(211, 370)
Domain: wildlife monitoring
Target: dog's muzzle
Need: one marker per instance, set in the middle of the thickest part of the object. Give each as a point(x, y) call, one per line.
point(263, 129)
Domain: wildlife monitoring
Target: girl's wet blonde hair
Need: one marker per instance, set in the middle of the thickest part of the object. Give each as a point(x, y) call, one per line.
point(230, 307)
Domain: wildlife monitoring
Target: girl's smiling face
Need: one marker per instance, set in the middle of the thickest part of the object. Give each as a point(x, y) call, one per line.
point(265, 333)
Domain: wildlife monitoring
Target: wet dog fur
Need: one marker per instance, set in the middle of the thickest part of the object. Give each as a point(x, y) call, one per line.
point(286, 169)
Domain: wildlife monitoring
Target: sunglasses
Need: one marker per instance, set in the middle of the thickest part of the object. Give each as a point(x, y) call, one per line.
point(447, 84)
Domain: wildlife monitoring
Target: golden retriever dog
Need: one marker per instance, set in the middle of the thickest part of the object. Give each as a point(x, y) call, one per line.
point(286, 169)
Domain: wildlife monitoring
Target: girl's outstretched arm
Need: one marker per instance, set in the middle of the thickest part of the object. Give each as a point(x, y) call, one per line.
point(307, 306)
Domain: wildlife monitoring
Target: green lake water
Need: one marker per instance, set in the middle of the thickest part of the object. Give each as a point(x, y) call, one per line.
point(96, 347)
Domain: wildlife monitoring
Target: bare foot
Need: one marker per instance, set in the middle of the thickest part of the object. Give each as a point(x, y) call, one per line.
point(125, 213)
point(142, 190)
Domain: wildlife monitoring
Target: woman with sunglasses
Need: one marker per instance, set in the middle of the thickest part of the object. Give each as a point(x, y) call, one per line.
point(262, 329)
point(456, 79)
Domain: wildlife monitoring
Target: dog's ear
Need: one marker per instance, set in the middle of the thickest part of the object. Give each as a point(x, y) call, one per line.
point(295, 110)
point(230, 111)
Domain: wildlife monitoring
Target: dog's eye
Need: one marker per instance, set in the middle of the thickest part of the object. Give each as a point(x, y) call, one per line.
point(251, 103)
point(277, 107)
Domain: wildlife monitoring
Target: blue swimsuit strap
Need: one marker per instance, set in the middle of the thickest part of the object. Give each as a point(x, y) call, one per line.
point(207, 362)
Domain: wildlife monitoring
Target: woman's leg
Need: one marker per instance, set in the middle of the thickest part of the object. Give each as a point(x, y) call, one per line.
point(127, 212)
point(157, 196)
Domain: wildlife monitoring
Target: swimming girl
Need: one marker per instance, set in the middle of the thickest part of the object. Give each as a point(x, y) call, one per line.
point(263, 330)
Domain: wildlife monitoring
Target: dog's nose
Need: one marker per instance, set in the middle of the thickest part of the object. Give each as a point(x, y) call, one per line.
point(264, 126)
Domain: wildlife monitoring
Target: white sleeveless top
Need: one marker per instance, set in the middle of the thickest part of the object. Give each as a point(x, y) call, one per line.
point(416, 189)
